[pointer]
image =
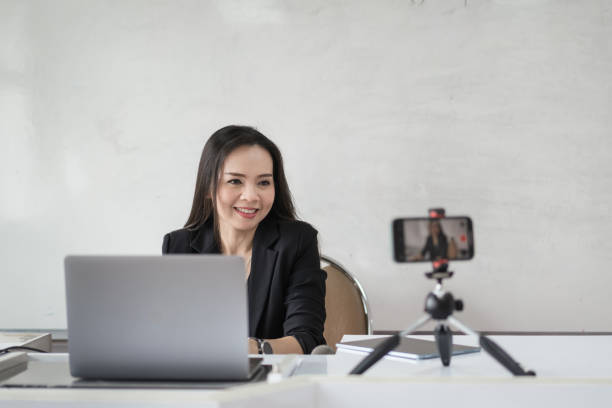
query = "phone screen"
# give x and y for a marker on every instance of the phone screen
(432, 239)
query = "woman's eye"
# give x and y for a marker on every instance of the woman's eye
(264, 183)
(234, 181)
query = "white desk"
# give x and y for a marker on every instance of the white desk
(551, 357)
(572, 371)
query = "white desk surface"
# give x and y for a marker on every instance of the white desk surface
(551, 357)
(572, 371)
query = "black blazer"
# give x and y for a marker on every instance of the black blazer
(286, 286)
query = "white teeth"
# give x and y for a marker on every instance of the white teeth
(244, 210)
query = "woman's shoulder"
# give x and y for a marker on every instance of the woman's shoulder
(178, 241)
(296, 228)
(295, 234)
(181, 233)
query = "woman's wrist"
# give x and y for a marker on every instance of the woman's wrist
(260, 346)
(253, 345)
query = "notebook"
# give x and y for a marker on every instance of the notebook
(409, 347)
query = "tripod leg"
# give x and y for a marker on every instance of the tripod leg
(494, 350)
(444, 340)
(386, 346)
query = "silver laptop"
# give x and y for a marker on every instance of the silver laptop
(173, 317)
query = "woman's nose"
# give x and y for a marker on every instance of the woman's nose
(249, 193)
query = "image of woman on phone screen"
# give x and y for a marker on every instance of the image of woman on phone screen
(437, 245)
(242, 206)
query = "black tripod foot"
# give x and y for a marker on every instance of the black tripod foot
(444, 340)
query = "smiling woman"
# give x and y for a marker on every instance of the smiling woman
(245, 195)
(242, 206)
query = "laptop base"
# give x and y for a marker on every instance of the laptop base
(41, 374)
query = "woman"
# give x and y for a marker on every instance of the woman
(242, 206)
(437, 245)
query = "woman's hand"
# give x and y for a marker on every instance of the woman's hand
(253, 346)
(283, 345)
(286, 345)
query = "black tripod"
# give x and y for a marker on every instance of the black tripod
(440, 306)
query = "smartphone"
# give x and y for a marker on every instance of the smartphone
(431, 239)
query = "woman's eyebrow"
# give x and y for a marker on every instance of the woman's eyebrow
(242, 175)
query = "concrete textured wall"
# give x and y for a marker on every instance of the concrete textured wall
(500, 110)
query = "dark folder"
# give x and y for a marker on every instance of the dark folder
(414, 349)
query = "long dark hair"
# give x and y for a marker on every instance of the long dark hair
(442, 239)
(217, 148)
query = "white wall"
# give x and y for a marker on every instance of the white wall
(500, 110)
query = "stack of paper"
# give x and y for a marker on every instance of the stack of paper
(41, 341)
(14, 362)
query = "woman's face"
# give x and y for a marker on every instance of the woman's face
(245, 192)
(434, 228)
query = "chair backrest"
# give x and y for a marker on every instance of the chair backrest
(346, 304)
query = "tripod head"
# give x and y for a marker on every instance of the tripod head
(439, 304)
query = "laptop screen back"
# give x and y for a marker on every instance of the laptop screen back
(175, 317)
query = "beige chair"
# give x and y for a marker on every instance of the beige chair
(346, 304)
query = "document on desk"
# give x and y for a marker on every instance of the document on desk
(41, 341)
(11, 360)
(410, 348)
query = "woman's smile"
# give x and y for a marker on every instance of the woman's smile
(246, 212)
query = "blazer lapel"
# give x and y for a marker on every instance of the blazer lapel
(263, 260)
